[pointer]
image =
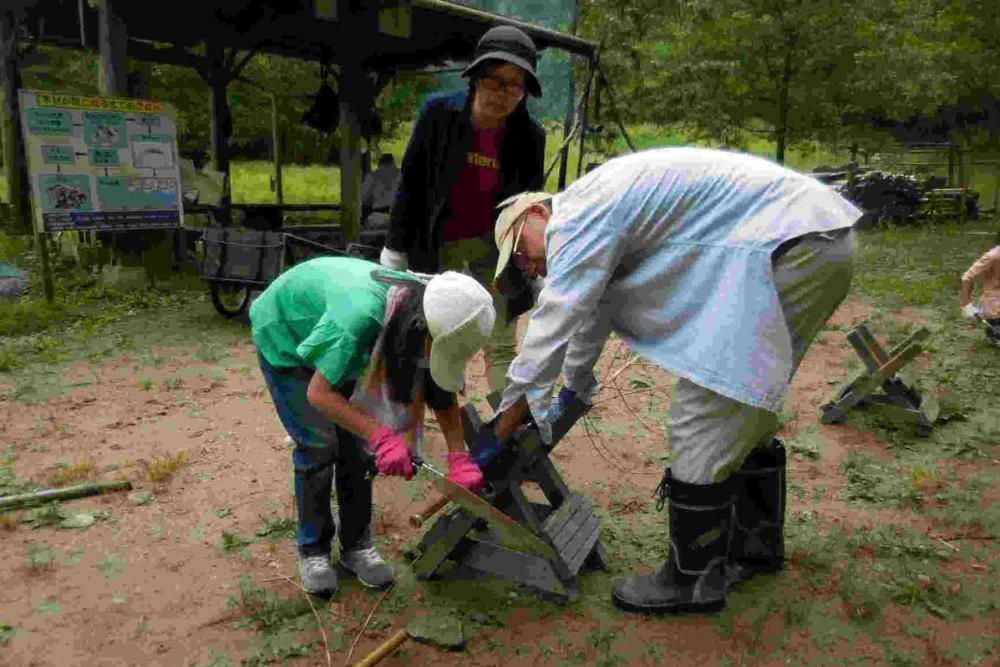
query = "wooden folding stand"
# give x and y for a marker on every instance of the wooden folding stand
(567, 522)
(900, 402)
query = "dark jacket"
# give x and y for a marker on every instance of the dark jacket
(442, 136)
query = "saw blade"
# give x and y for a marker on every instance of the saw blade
(512, 532)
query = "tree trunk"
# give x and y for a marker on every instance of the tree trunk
(781, 129)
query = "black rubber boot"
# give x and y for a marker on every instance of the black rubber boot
(758, 535)
(693, 578)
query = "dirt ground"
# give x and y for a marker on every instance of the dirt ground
(151, 586)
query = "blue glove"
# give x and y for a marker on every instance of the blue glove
(562, 401)
(487, 447)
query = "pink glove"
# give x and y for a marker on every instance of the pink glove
(392, 455)
(463, 471)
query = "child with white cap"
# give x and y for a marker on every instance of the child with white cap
(321, 326)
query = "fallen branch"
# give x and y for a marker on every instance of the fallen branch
(357, 637)
(606, 455)
(635, 358)
(623, 394)
(35, 498)
(319, 623)
(655, 428)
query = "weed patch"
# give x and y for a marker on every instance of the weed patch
(276, 528)
(40, 558)
(871, 482)
(73, 472)
(232, 542)
(162, 469)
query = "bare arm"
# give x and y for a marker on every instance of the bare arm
(510, 419)
(450, 420)
(969, 279)
(322, 396)
(965, 296)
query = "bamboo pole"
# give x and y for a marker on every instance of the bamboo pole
(35, 498)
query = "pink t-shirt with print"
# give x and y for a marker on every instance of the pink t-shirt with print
(474, 194)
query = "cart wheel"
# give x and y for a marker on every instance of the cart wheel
(230, 300)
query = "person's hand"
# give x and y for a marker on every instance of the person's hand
(487, 446)
(392, 454)
(463, 471)
(392, 259)
(562, 401)
(970, 311)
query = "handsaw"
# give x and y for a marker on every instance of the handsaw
(510, 531)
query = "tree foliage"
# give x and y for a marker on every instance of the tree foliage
(797, 70)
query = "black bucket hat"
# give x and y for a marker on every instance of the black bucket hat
(511, 45)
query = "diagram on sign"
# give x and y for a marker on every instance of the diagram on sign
(101, 163)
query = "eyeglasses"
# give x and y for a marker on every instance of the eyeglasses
(496, 84)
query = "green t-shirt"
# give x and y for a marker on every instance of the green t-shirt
(324, 314)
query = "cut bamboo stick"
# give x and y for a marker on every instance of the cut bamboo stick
(35, 498)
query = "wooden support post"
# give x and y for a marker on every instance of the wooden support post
(351, 82)
(279, 196)
(570, 104)
(951, 166)
(18, 183)
(996, 187)
(218, 79)
(112, 42)
(962, 184)
(583, 128)
(13, 137)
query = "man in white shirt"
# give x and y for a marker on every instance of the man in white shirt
(718, 267)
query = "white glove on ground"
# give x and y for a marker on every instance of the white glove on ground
(393, 260)
(970, 311)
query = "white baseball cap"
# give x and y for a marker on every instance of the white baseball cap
(504, 233)
(460, 316)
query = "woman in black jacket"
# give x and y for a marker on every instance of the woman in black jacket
(469, 151)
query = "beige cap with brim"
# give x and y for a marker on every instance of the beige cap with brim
(460, 317)
(505, 233)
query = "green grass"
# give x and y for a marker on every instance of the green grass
(251, 181)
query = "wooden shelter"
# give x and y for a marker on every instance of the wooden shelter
(366, 40)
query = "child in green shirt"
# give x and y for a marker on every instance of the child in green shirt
(318, 328)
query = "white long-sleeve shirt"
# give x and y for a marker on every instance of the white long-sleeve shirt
(671, 248)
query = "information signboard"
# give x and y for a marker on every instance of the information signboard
(101, 163)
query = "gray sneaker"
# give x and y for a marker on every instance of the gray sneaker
(317, 575)
(366, 563)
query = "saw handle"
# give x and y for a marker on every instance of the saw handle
(417, 520)
(386, 648)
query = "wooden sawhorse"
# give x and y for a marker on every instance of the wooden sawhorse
(900, 401)
(567, 522)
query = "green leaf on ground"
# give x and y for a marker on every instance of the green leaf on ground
(48, 607)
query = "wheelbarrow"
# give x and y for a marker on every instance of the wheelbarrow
(238, 262)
